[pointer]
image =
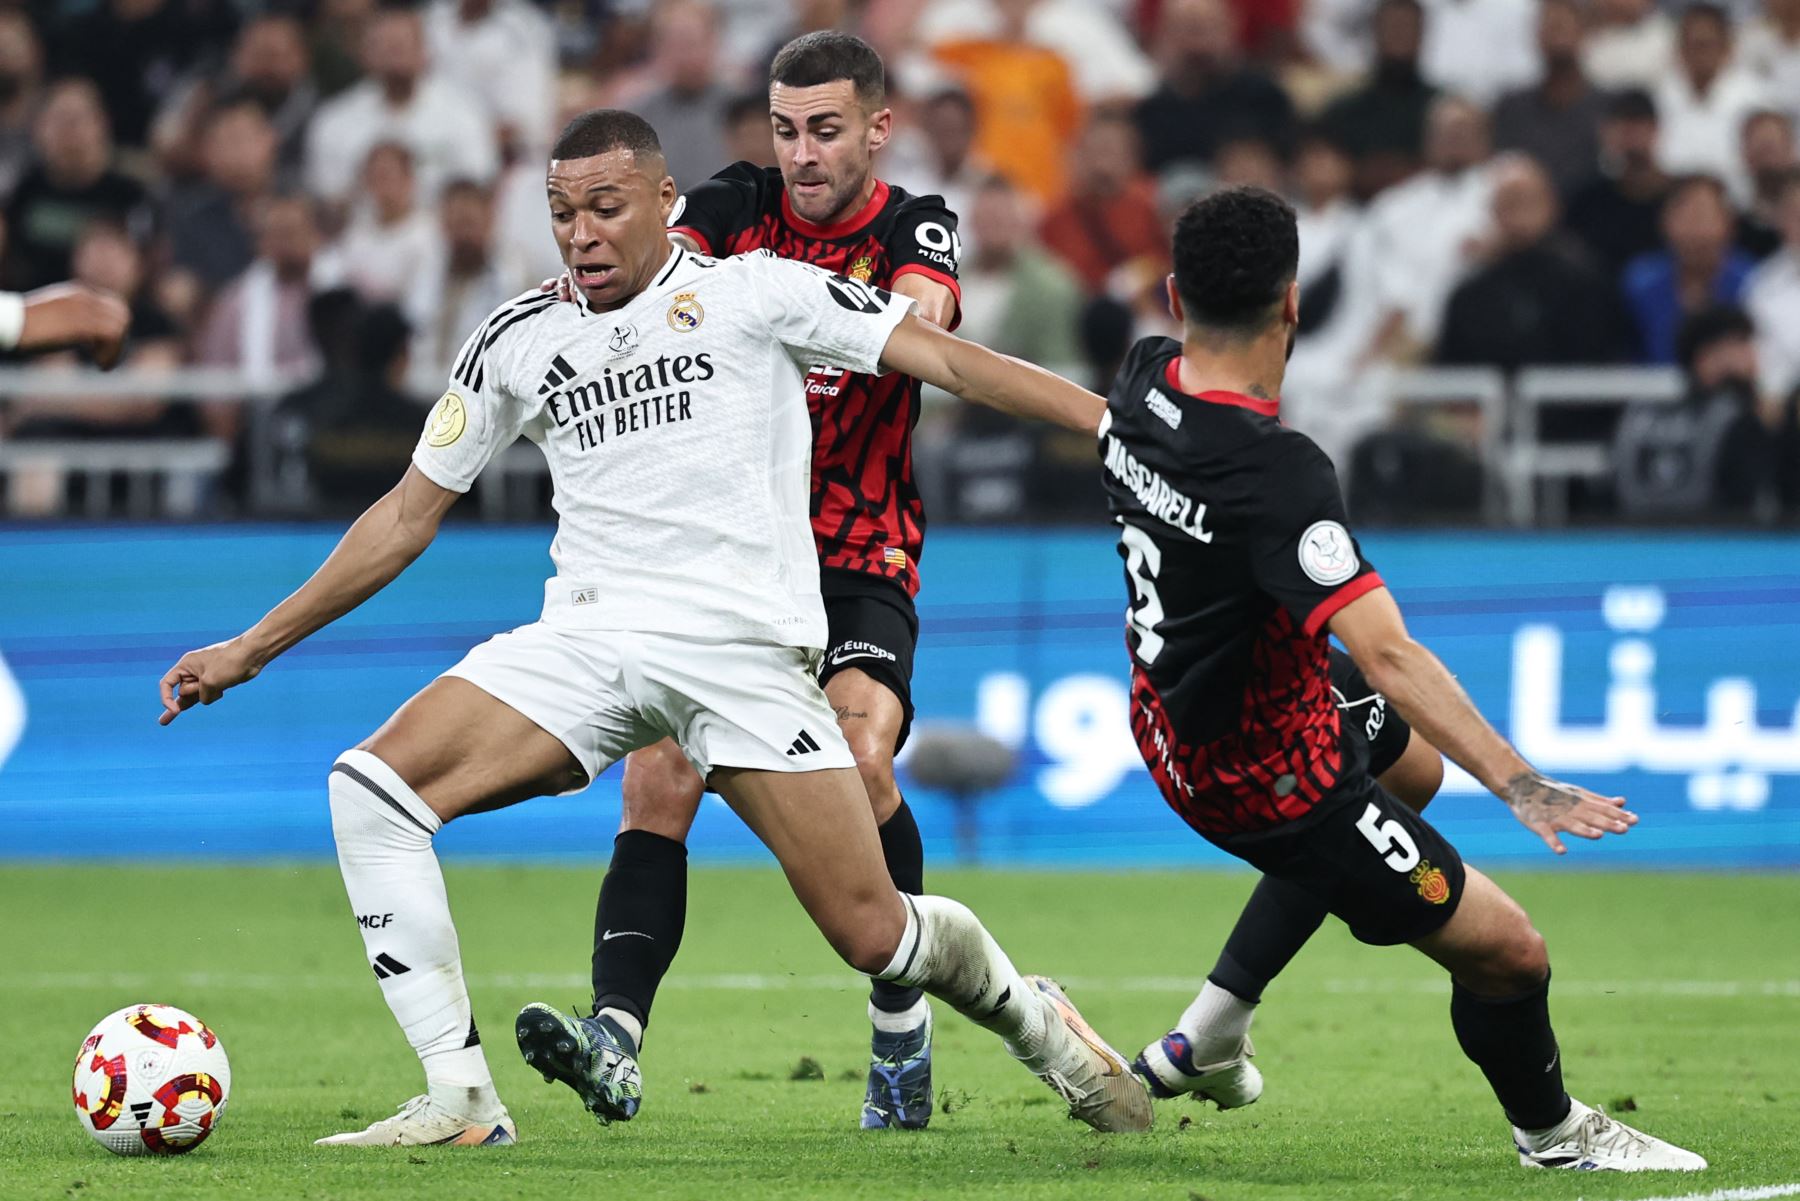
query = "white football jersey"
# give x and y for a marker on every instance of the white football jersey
(678, 438)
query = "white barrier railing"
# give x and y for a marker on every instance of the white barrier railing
(1528, 478)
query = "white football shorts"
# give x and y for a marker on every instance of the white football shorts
(605, 693)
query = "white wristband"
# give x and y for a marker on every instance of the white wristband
(12, 319)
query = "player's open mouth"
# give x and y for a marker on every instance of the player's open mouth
(590, 276)
(810, 187)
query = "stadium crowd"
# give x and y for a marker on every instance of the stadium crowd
(327, 196)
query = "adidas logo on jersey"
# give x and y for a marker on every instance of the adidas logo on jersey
(559, 374)
(803, 745)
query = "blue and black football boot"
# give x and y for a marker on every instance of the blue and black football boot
(594, 1056)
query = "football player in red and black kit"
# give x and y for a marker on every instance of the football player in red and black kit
(823, 205)
(1239, 562)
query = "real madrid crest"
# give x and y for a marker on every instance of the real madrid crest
(448, 420)
(685, 314)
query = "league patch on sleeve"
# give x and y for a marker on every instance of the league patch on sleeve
(448, 421)
(1327, 555)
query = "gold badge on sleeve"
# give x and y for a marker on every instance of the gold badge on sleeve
(448, 420)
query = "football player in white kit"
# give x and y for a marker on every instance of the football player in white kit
(685, 604)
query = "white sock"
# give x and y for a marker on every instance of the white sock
(947, 952)
(396, 888)
(1215, 1024)
(910, 1018)
(627, 1023)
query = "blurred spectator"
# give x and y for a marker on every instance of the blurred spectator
(1246, 161)
(136, 51)
(21, 84)
(951, 169)
(1480, 48)
(1027, 111)
(360, 430)
(1698, 267)
(258, 323)
(71, 183)
(1268, 30)
(1618, 216)
(209, 219)
(747, 136)
(1327, 216)
(1016, 297)
(1382, 122)
(1109, 216)
(1769, 157)
(1769, 48)
(335, 40)
(1556, 120)
(687, 107)
(390, 233)
(1421, 233)
(1703, 102)
(1631, 44)
(1772, 295)
(1709, 455)
(1205, 94)
(398, 101)
(1539, 299)
(502, 52)
(459, 282)
(105, 257)
(1105, 63)
(272, 65)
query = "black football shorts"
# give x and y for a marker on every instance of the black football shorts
(1375, 862)
(871, 625)
(1366, 715)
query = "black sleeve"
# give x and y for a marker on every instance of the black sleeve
(724, 205)
(925, 239)
(1301, 549)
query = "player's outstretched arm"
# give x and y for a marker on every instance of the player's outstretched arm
(931, 300)
(63, 315)
(975, 373)
(380, 545)
(1425, 693)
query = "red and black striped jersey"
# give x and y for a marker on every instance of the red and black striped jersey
(1237, 553)
(866, 511)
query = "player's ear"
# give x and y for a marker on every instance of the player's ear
(1290, 304)
(1174, 299)
(666, 195)
(881, 128)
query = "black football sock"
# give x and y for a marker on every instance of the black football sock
(1510, 1040)
(638, 922)
(905, 855)
(1275, 924)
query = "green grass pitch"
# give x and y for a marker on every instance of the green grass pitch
(1678, 995)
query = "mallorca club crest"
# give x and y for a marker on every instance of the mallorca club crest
(862, 269)
(1434, 886)
(685, 314)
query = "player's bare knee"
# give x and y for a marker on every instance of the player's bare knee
(660, 794)
(866, 932)
(875, 764)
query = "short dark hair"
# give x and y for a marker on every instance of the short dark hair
(1711, 325)
(1236, 252)
(1631, 104)
(1709, 11)
(1702, 182)
(599, 130)
(826, 56)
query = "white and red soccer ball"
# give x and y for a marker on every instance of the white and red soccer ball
(151, 1080)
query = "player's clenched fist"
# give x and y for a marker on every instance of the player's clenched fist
(202, 677)
(75, 315)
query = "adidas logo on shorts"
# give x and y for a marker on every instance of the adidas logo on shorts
(803, 745)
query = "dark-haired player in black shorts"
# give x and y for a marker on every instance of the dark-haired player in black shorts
(1239, 562)
(824, 206)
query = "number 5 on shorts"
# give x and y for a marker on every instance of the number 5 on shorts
(1389, 838)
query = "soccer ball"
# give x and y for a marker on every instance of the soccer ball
(151, 1080)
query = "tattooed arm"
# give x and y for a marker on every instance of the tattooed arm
(1424, 692)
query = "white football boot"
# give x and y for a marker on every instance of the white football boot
(1087, 1073)
(423, 1122)
(1590, 1141)
(1167, 1066)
